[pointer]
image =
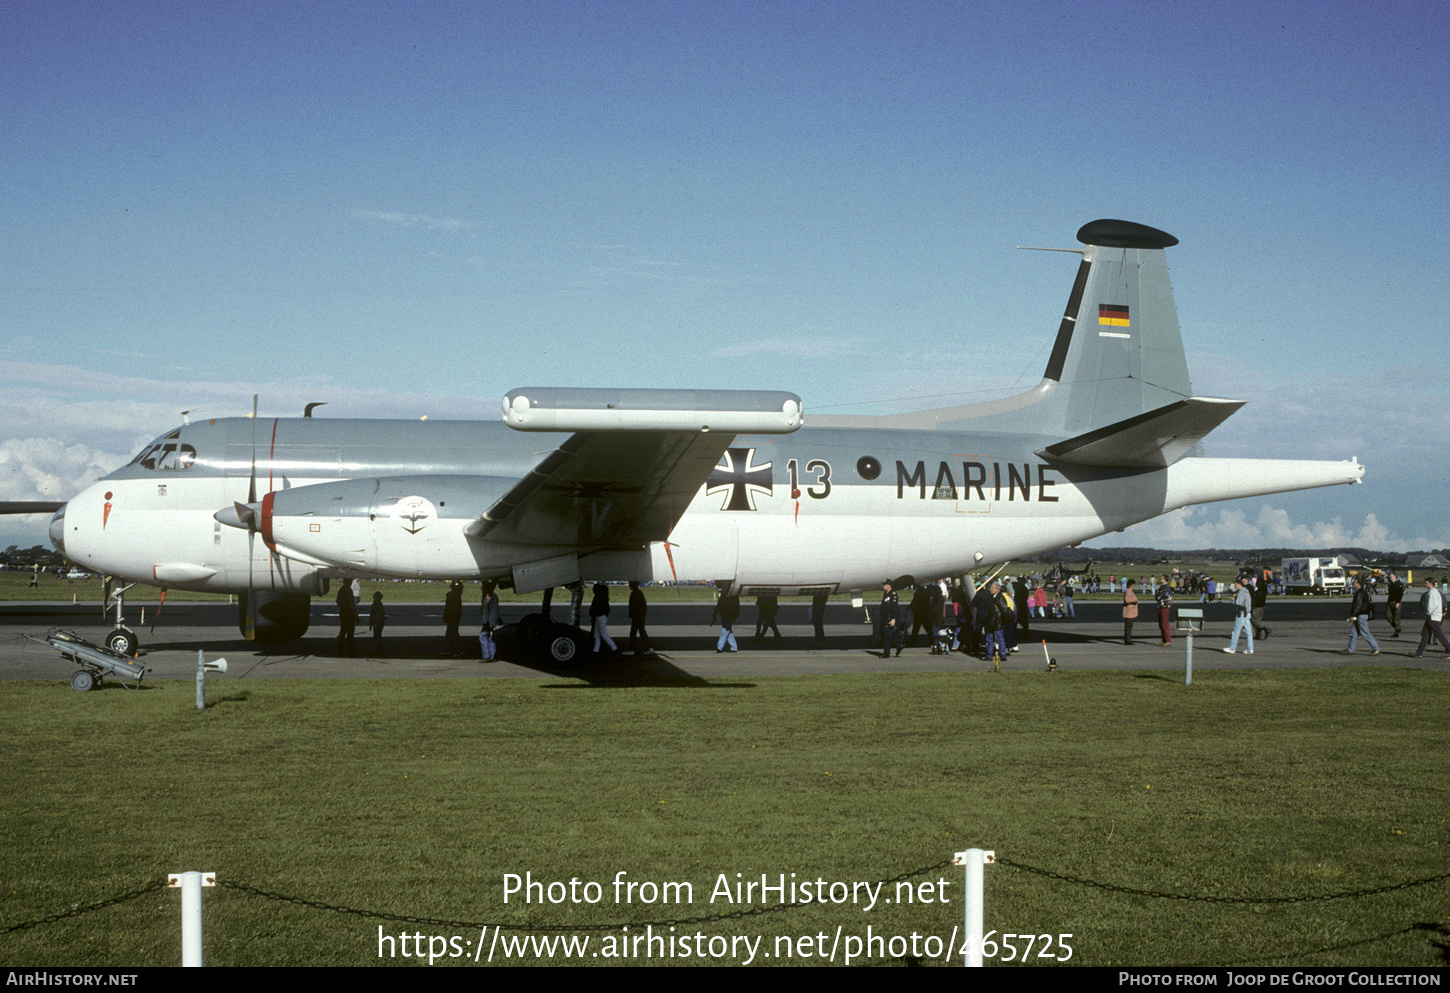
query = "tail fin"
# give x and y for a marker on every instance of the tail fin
(1119, 352)
(1116, 386)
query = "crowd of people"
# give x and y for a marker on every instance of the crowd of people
(989, 623)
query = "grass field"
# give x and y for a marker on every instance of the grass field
(416, 798)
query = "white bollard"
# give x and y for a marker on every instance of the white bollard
(1190, 619)
(202, 668)
(191, 884)
(975, 861)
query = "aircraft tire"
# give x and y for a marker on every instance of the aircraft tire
(82, 680)
(533, 630)
(122, 642)
(566, 647)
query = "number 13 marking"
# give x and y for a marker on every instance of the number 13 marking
(823, 480)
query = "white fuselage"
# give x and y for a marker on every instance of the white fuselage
(802, 512)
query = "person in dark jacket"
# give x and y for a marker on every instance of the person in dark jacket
(453, 616)
(921, 613)
(346, 617)
(599, 613)
(727, 608)
(893, 631)
(767, 606)
(1021, 599)
(1164, 598)
(992, 614)
(1361, 609)
(981, 607)
(490, 619)
(818, 616)
(638, 608)
(966, 625)
(377, 620)
(1259, 600)
(1392, 603)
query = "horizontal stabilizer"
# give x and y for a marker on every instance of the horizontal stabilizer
(1152, 440)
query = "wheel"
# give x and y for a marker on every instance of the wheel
(533, 630)
(566, 645)
(563, 648)
(81, 681)
(122, 642)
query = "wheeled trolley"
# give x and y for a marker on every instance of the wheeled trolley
(94, 660)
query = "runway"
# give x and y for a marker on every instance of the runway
(1304, 633)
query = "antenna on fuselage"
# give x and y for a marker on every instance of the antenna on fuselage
(308, 411)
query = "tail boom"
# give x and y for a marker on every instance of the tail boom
(1198, 480)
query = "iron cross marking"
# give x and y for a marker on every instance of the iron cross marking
(743, 478)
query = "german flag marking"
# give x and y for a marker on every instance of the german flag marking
(1115, 314)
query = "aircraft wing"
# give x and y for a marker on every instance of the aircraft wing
(636, 460)
(30, 507)
(1151, 440)
(605, 490)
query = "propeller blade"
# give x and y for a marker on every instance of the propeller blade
(249, 631)
(252, 480)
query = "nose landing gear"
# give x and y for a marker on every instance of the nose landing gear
(122, 640)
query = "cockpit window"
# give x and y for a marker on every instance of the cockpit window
(168, 454)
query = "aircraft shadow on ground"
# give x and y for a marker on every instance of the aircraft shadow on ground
(595, 671)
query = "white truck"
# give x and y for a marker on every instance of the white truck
(1313, 575)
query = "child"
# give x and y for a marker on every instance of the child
(376, 619)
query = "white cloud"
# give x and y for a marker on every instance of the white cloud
(48, 469)
(45, 469)
(413, 220)
(1377, 414)
(1267, 527)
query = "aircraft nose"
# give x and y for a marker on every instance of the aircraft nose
(57, 530)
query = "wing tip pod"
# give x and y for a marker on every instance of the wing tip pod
(721, 411)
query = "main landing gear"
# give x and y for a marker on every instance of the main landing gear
(563, 644)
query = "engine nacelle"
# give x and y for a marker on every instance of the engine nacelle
(390, 526)
(281, 617)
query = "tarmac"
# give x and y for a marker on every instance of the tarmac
(1303, 633)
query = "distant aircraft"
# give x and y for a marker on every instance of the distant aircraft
(721, 486)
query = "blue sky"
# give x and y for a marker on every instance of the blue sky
(410, 208)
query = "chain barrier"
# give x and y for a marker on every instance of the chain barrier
(159, 884)
(1114, 888)
(731, 915)
(531, 925)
